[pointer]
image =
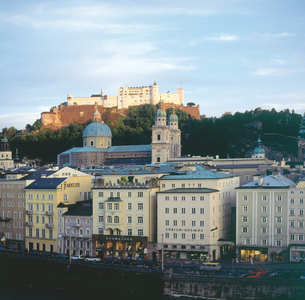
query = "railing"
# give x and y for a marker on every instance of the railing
(28, 212)
(49, 213)
(29, 224)
(5, 219)
(49, 225)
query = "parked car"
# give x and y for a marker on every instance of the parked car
(35, 253)
(77, 257)
(110, 260)
(128, 262)
(151, 263)
(92, 259)
(62, 256)
(46, 254)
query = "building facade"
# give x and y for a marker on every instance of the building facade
(195, 214)
(42, 199)
(262, 219)
(124, 220)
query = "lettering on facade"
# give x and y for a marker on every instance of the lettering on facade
(70, 185)
(184, 229)
(118, 239)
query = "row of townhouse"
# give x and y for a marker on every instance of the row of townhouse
(187, 213)
(270, 219)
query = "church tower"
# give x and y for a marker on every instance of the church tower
(160, 140)
(175, 135)
(301, 141)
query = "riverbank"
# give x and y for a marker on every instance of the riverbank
(56, 281)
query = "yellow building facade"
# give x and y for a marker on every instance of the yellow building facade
(42, 198)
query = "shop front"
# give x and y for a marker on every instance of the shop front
(120, 247)
(257, 254)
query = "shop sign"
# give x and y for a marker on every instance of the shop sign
(184, 229)
(70, 185)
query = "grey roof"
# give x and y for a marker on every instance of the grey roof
(79, 210)
(189, 191)
(271, 181)
(97, 129)
(240, 166)
(199, 173)
(45, 183)
(164, 168)
(114, 199)
(37, 174)
(129, 148)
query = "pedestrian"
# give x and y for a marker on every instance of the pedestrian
(232, 261)
(236, 261)
(251, 261)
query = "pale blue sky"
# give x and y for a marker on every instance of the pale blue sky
(230, 55)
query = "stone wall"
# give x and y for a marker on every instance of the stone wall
(230, 288)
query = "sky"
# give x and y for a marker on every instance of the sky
(227, 55)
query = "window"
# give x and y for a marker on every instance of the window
(175, 222)
(183, 210)
(246, 177)
(183, 198)
(199, 185)
(278, 219)
(264, 208)
(245, 197)
(166, 210)
(279, 198)
(201, 210)
(182, 222)
(302, 201)
(166, 222)
(201, 198)
(193, 236)
(264, 230)
(37, 232)
(37, 219)
(30, 196)
(101, 219)
(65, 198)
(244, 219)
(101, 205)
(140, 206)
(245, 229)
(163, 185)
(166, 198)
(193, 210)
(301, 237)
(279, 243)
(109, 206)
(183, 236)
(292, 237)
(173, 185)
(175, 198)
(245, 208)
(129, 194)
(292, 224)
(279, 208)
(291, 212)
(129, 231)
(264, 219)
(202, 236)
(301, 224)
(87, 231)
(109, 219)
(264, 242)
(264, 198)
(42, 196)
(140, 194)
(175, 210)
(129, 206)
(292, 192)
(116, 220)
(116, 206)
(50, 196)
(175, 235)
(301, 212)
(247, 241)
(193, 223)
(30, 232)
(166, 235)
(193, 198)
(140, 220)
(292, 201)
(278, 230)
(101, 194)
(201, 223)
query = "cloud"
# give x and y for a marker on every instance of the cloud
(285, 34)
(224, 37)
(273, 72)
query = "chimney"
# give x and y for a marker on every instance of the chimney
(130, 172)
(114, 172)
(153, 171)
(260, 181)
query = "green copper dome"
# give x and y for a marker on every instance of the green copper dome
(259, 149)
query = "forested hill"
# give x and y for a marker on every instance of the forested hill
(230, 135)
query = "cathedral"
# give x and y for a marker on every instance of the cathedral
(97, 147)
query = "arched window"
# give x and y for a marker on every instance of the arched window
(159, 137)
(109, 219)
(116, 220)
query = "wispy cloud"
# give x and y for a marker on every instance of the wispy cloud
(275, 72)
(223, 37)
(285, 34)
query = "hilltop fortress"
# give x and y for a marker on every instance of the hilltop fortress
(80, 109)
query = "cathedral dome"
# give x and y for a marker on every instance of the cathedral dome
(160, 111)
(259, 149)
(97, 129)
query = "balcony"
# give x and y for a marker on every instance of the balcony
(49, 225)
(49, 213)
(28, 212)
(5, 219)
(29, 224)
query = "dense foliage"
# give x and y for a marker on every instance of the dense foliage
(230, 135)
